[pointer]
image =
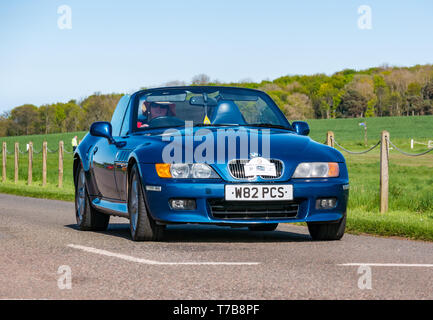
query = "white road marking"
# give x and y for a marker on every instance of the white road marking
(153, 262)
(419, 265)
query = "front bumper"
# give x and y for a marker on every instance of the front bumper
(305, 194)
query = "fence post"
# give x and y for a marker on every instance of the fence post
(30, 172)
(17, 151)
(330, 138)
(365, 135)
(4, 155)
(60, 164)
(384, 174)
(44, 163)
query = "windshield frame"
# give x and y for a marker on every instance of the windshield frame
(202, 89)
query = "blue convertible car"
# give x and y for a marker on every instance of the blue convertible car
(207, 155)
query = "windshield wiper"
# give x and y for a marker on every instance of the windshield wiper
(144, 129)
(269, 125)
(215, 125)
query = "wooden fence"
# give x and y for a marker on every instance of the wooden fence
(384, 143)
(30, 153)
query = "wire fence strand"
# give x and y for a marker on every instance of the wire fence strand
(407, 153)
(355, 152)
(37, 152)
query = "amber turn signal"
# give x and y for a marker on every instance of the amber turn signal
(333, 169)
(163, 170)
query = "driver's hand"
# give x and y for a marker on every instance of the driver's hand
(144, 125)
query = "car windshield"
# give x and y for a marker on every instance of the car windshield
(206, 106)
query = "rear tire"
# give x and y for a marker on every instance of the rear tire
(142, 225)
(88, 218)
(327, 231)
(264, 227)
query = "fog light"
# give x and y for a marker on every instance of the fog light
(326, 203)
(182, 204)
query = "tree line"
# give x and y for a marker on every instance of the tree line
(58, 117)
(379, 91)
(375, 92)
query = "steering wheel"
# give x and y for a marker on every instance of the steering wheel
(165, 121)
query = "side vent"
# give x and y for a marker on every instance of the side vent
(122, 156)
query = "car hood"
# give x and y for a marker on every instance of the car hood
(286, 146)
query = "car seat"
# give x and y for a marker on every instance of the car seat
(227, 112)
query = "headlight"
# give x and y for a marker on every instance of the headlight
(185, 171)
(317, 170)
(201, 170)
(179, 170)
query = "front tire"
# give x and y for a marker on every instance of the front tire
(142, 225)
(88, 218)
(327, 231)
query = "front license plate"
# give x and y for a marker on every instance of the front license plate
(258, 192)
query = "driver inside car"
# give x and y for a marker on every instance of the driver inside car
(154, 110)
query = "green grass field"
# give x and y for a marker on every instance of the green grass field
(349, 130)
(50, 191)
(410, 212)
(410, 187)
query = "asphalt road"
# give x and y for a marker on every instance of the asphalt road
(38, 236)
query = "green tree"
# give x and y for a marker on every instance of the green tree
(427, 91)
(25, 119)
(370, 112)
(72, 112)
(353, 104)
(381, 90)
(326, 94)
(60, 117)
(395, 104)
(298, 107)
(414, 99)
(98, 107)
(5, 124)
(47, 114)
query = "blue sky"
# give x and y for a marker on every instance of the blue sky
(120, 46)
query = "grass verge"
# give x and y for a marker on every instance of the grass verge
(36, 190)
(404, 224)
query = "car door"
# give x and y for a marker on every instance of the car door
(103, 168)
(123, 152)
(104, 155)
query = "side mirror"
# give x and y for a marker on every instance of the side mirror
(102, 129)
(301, 128)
